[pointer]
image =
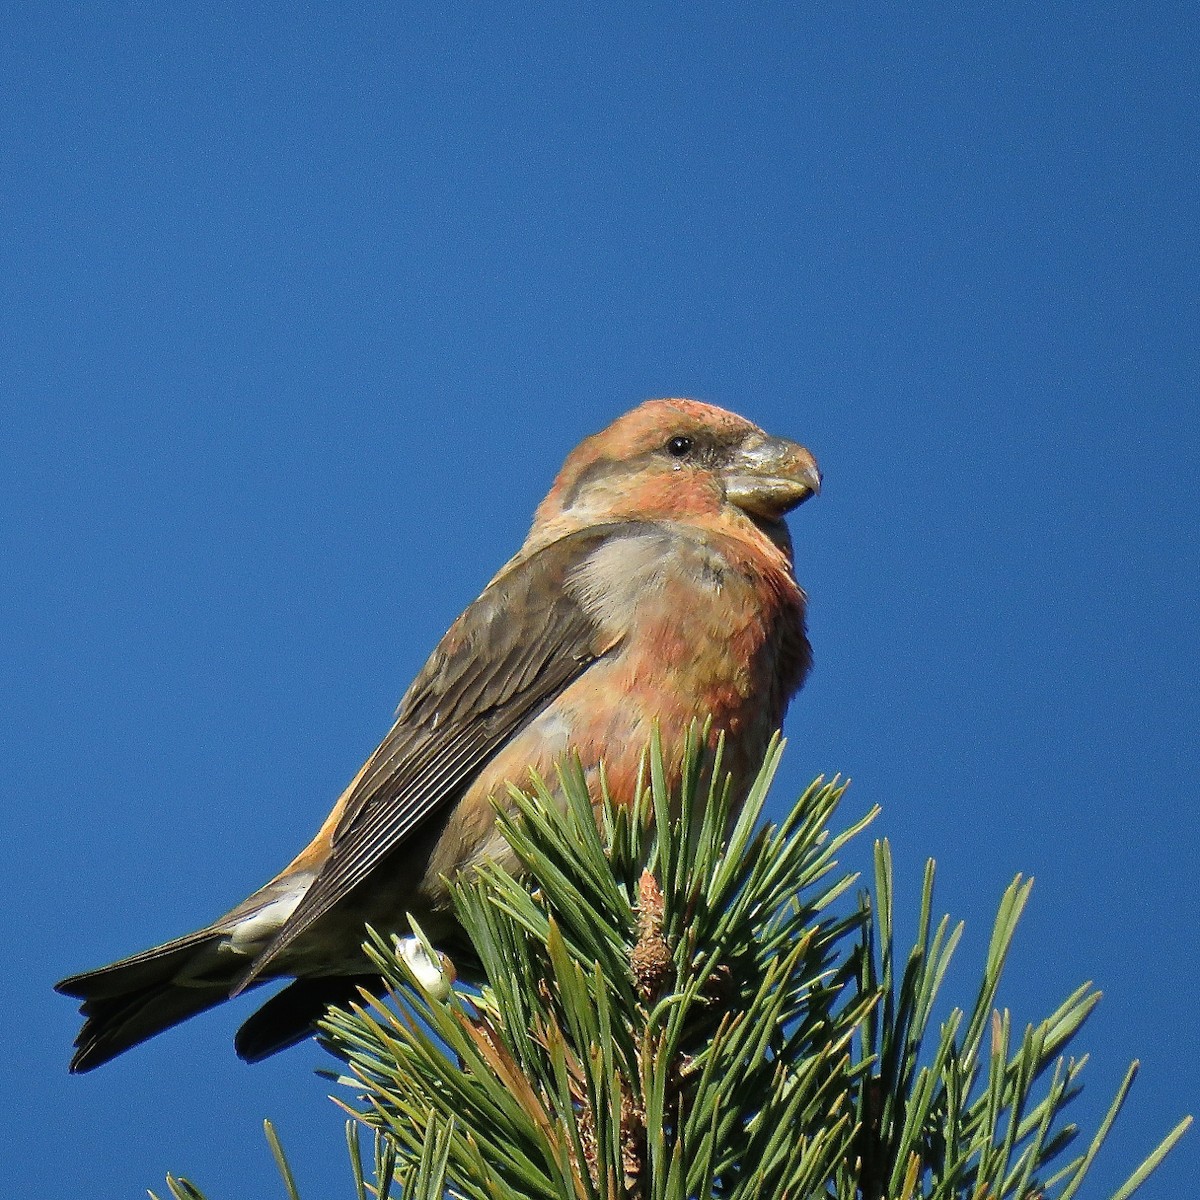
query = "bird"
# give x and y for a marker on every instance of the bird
(656, 588)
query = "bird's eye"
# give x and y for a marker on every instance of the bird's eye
(680, 446)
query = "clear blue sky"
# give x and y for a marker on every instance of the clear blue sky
(300, 309)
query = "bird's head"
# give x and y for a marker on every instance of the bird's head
(679, 460)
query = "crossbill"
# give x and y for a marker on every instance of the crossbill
(656, 588)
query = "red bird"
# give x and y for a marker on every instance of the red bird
(656, 586)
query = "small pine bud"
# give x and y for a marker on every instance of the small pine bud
(650, 959)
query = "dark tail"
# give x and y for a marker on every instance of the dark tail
(132, 1000)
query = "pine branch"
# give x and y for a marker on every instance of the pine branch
(679, 1004)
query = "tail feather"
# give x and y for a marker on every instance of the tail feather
(167, 961)
(115, 1024)
(132, 1000)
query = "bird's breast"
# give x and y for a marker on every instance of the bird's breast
(705, 626)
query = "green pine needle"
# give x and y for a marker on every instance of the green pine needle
(679, 1003)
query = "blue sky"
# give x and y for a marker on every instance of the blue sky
(300, 309)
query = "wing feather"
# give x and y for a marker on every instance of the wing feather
(525, 639)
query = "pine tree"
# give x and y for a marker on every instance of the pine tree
(682, 1003)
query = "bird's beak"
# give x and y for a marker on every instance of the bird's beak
(770, 476)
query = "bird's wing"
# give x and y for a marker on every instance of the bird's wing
(508, 656)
